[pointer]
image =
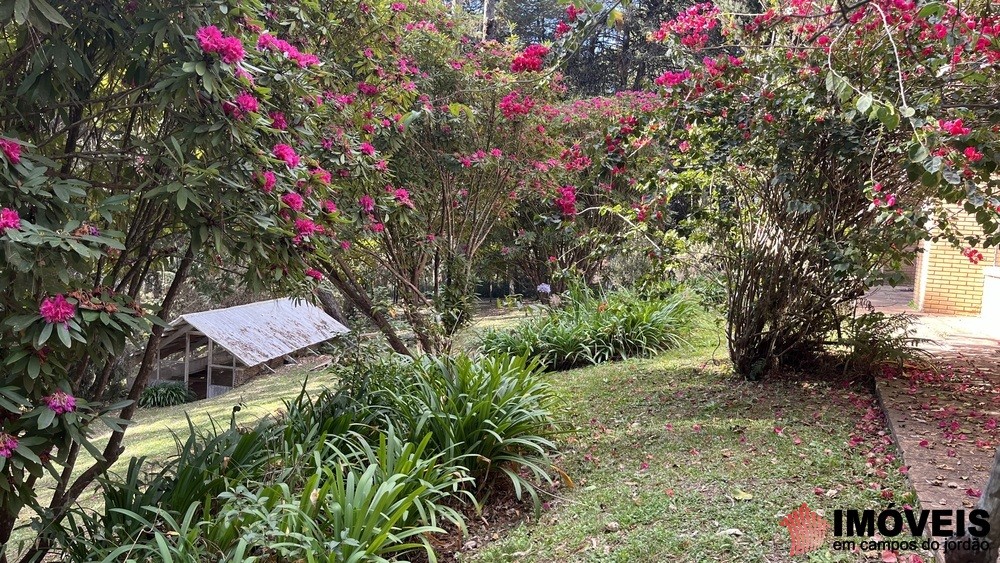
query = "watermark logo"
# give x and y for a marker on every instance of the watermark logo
(806, 528)
(871, 530)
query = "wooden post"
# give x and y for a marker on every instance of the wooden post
(159, 360)
(233, 382)
(208, 376)
(187, 358)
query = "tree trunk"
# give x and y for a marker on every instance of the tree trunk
(490, 19)
(329, 303)
(990, 502)
(345, 283)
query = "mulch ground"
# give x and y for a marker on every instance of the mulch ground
(946, 420)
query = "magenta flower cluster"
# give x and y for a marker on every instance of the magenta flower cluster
(229, 49)
(268, 42)
(8, 444)
(11, 149)
(60, 402)
(9, 219)
(287, 154)
(57, 309)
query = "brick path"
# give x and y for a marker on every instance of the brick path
(946, 422)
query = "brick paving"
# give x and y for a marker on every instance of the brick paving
(946, 420)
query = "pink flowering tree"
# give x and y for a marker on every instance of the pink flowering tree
(581, 209)
(146, 139)
(825, 139)
(446, 166)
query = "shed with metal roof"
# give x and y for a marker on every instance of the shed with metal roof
(221, 348)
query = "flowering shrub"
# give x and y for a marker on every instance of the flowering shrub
(218, 140)
(821, 162)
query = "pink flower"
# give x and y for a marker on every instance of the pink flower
(973, 255)
(11, 149)
(246, 102)
(287, 154)
(9, 219)
(670, 78)
(513, 105)
(321, 175)
(397, 7)
(562, 28)
(329, 206)
(572, 12)
(314, 274)
(972, 154)
(566, 200)
(210, 38)
(57, 309)
(8, 444)
(293, 200)
(367, 203)
(532, 59)
(269, 181)
(684, 146)
(278, 120)
(403, 197)
(230, 49)
(367, 149)
(307, 228)
(367, 89)
(60, 402)
(268, 42)
(377, 227)
(345, 244)
(955, 128)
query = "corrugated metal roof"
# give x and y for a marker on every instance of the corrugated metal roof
(262, 331)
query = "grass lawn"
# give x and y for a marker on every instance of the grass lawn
(675, 460)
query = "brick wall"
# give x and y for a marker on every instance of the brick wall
(946, 282)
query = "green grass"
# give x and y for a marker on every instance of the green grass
(719, 476)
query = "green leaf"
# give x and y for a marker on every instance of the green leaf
(44, 335)
(918, 152)
(50, 13)
(616, 19)
(21, 8)
(34, 367)
(932, 9)
(864, 103)
(45, 418)
(62, 331)
(952, 176)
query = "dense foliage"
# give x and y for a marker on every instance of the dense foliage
(390, 151)
(165, 394)
(358, 474)
(591, 328)
(823, 142)
(254, 139)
